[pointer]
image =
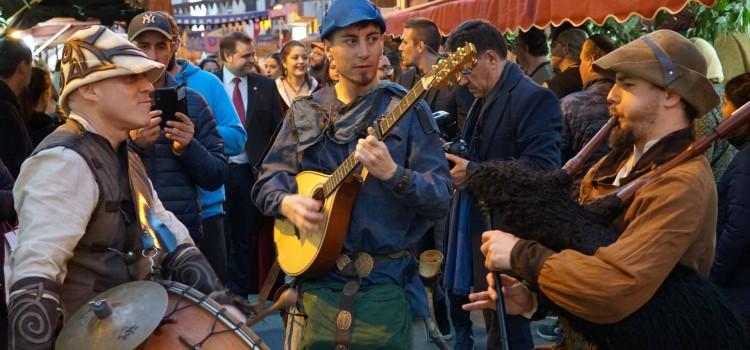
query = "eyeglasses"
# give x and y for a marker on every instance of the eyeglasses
(466, 71)
(386, 69)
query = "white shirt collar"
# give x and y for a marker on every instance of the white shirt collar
(632, 161)
(285, 95)
(637, 154)
(228, 76)
(81, 120)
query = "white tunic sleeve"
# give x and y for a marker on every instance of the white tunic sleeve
(54, 196)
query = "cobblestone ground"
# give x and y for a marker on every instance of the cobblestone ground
(271, 331)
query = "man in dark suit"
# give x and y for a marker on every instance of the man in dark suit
(258, 104)
(512, 120)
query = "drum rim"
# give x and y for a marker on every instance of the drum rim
(211, 305)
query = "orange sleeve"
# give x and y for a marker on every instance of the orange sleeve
(664, 220)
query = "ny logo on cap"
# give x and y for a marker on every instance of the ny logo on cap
(149, 18)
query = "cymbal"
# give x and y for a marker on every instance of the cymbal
(128, 315)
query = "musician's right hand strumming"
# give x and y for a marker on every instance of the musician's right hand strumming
(303, 212)
(519, 300)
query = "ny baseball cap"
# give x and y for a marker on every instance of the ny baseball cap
(150, 21)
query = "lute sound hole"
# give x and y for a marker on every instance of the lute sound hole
(319, 196)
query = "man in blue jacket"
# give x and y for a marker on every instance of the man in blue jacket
(407, 187)
(189, 151)
(514, 120)
(233, 133)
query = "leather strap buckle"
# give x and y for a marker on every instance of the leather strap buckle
(344, 320)
(363, 265)
(342, 260)
(351, 288)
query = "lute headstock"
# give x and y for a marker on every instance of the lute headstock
(445, 71)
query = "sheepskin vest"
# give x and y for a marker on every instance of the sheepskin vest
(98, 261)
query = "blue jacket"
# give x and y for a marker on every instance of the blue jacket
(731, 268)
(518, 121)
(227, 122)
(384, 219)
(202, 164)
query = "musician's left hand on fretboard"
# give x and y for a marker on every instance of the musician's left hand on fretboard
(374, 155)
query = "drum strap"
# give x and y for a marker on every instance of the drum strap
(265, 291)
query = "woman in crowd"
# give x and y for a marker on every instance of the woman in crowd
(210, 65)
(333, 74)
(329, 79)
(295, 80)
(272, 66)
(37, 105)
(731, 267)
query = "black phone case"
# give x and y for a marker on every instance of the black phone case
(169, 100)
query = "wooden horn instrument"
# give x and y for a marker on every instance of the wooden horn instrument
(287, 299)
(575, 164)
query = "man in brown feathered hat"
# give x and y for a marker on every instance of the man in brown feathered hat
(660, 88)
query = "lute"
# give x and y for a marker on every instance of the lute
(313, 254)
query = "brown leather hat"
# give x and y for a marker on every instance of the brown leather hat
(668, 60)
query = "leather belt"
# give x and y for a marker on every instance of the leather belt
(354, 270)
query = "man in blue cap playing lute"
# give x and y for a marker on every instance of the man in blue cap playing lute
(384, 304)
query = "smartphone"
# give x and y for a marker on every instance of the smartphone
(169, 100)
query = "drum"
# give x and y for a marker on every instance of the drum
(195, 321)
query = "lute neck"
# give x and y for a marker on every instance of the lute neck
(384, 125)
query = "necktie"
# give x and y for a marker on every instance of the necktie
(237, 100)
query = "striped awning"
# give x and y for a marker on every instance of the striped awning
(510, 15)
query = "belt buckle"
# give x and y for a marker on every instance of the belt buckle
(344, 320)
(363, 265)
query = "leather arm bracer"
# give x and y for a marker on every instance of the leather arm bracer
(187, 265)
(35, 314)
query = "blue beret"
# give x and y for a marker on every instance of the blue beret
(343, 13)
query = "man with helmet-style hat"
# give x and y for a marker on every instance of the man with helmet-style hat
(660, 88)
(408, 186)
(77, 213)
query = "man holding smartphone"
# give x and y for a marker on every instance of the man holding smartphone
(186, 152)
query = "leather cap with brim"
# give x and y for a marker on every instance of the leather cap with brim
(96, 53)
(668, 60)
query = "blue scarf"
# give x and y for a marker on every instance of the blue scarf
(458, 265)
